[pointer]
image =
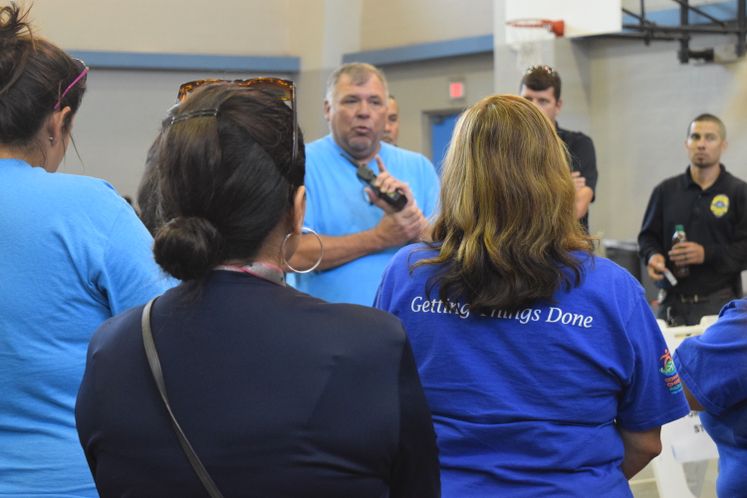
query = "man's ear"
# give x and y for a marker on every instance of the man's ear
(327, 108)
(560, 104)
(299, 209)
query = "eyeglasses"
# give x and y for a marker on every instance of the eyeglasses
(541, 67)
(77, 80)
(284, 90)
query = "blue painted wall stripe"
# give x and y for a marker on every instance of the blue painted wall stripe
(189, 62)
(424, 51)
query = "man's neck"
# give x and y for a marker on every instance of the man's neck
(705, 177)
(366, 159)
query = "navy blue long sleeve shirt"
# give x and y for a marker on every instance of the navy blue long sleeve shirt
(280, 394)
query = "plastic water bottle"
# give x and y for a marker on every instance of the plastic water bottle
(680, 270)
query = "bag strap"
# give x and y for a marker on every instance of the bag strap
(155, 368)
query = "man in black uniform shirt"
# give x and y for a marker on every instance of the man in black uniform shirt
(711, 204)
(541, 85)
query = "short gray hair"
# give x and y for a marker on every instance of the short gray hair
(359, 73)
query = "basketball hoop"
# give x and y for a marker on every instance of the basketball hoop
(555, 27)
(526, 36)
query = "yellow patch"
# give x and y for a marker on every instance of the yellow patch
(720, 205)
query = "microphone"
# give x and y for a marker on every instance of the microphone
(395, 199)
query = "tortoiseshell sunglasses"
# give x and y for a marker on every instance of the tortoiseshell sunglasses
(285, 90)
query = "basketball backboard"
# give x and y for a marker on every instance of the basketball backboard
(581, 17)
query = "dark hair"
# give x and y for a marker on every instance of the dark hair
(540, 78)
(226, 177)
(148, 196)
(33, 75)
(711, 119)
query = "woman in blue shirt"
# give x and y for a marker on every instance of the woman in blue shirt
(543, 366)
(73, 255)
(714, 372)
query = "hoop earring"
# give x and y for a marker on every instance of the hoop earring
(318, 261)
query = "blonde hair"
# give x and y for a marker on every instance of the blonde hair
(507, 226)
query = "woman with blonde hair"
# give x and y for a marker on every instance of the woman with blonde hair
(544, 369)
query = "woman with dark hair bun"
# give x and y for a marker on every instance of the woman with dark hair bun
(73, 255)
(271, 392)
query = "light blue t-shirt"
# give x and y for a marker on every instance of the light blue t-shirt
(714, 367)
(526, 403)
(337, 205)
(73, 254)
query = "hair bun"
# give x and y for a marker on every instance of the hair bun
(13, 27)
(13, 24)
(188, 247)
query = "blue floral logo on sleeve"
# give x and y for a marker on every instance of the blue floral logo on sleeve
(669, 371)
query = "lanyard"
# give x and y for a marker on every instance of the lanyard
(265, 271)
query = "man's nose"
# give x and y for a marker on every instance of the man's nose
(363, 109)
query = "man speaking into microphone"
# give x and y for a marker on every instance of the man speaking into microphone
(358, 229)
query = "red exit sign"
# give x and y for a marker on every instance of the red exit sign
(456, 90)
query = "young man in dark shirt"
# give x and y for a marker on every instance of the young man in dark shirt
(541, 85)
(711, 204)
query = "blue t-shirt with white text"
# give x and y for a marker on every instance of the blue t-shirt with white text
(527, 404)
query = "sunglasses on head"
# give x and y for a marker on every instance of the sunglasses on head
(284, 90)
(81, 76)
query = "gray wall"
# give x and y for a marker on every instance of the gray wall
(642, 101)
(635, 101)
(120, 116)
(422, 90)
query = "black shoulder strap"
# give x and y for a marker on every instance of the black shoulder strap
(155, 369)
